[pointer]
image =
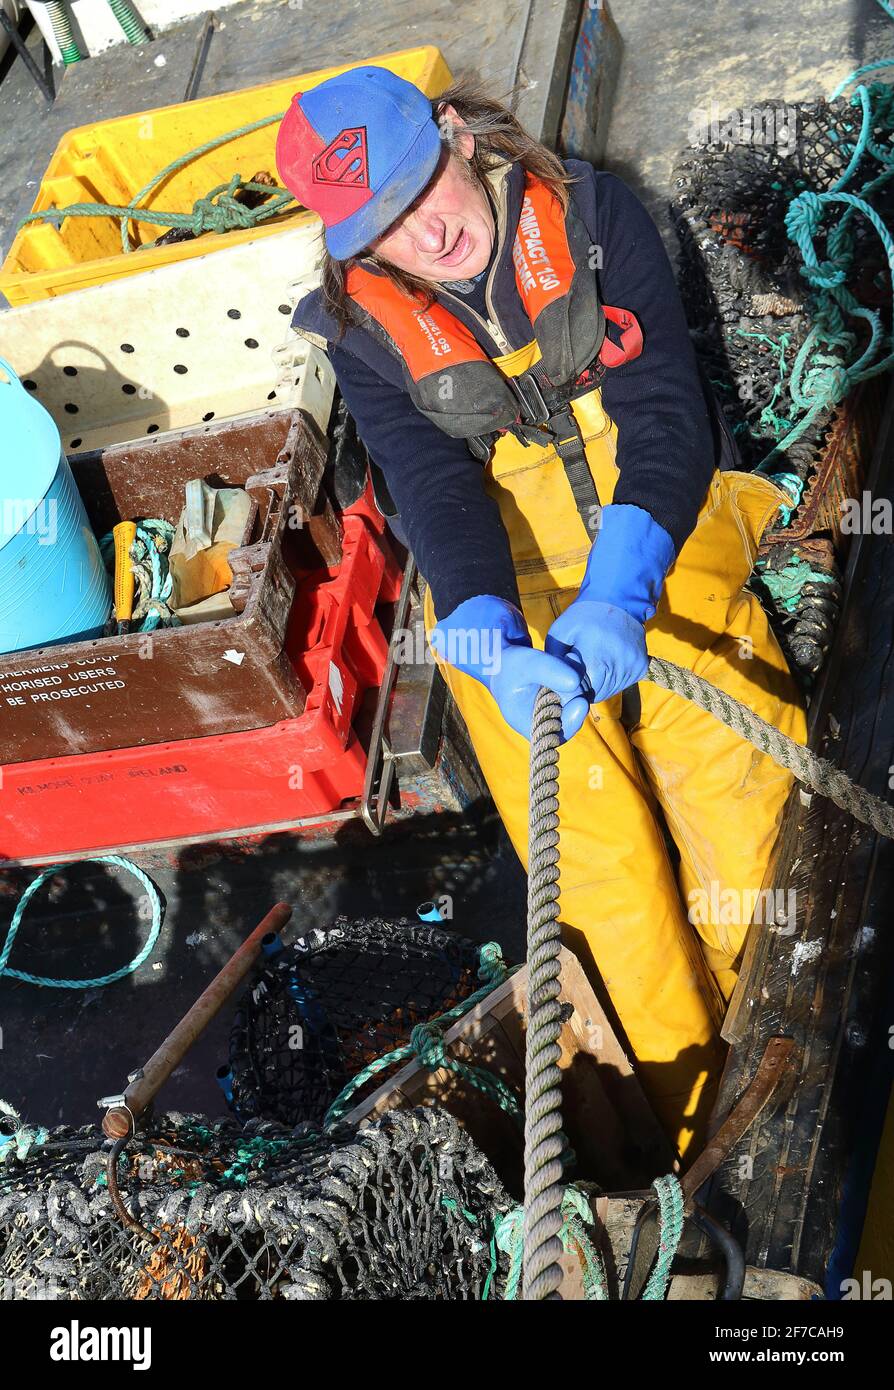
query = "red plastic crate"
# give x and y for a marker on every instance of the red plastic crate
(256, 779)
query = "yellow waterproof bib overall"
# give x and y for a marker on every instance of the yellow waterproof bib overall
(664, 946)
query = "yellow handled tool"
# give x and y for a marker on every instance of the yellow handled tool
(124, 535)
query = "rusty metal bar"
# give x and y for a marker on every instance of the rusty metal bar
(774, 1066)
(122, 1116)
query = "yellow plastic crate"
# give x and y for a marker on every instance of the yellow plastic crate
(110, 163)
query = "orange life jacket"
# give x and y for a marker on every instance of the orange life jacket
(451, 378)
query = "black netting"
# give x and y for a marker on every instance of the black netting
(404, 1208)
(332, 1002)
(750, 311)
(748, 306)
(801, 588)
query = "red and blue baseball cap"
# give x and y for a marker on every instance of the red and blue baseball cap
(357, 150)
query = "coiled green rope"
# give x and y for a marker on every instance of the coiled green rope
(99, 980)
(219, 210)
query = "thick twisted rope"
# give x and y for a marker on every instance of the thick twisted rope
(576, 1235)
(814, 772)
(670, 1215)
(544, 1143)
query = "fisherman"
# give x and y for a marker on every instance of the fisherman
(505, 330)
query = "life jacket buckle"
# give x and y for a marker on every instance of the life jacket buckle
(535, 410)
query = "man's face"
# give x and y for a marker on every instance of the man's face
(448, 232)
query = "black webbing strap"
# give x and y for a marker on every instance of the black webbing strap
(569, 445)
(547, 419)
(549, 408)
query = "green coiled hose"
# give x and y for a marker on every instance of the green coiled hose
(58, 17)
(133, 28)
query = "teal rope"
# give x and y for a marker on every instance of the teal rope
(426, 1043)
(786, 585)
(24, 1138)
(794, 486)
(509, 1237)
(768, 417)
(149, 562)
(576, 1238)
(825, 369)
(670, 1215)
(224, 215)
(99, 980)
(576, 1235)
(869, 67)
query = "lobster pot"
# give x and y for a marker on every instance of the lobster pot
(404, 1209)
(53, 584)
(748, 306)
(750, 311)
(322, 1009)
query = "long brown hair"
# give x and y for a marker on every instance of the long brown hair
(498, 136)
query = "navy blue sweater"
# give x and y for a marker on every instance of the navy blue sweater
(667, 446)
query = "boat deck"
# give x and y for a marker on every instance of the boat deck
(63, 1050)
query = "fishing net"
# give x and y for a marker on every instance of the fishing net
(405, 1208)
(331, 1003)
(751, 311)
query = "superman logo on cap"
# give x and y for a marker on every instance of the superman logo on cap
(344, 160)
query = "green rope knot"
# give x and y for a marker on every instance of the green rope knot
(427, 1041)
(827, 381)
(492, 968)
(802, 222)
(227, 214)
(804, 215)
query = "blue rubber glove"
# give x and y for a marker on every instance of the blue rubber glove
(488, 638)
(601, 633)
